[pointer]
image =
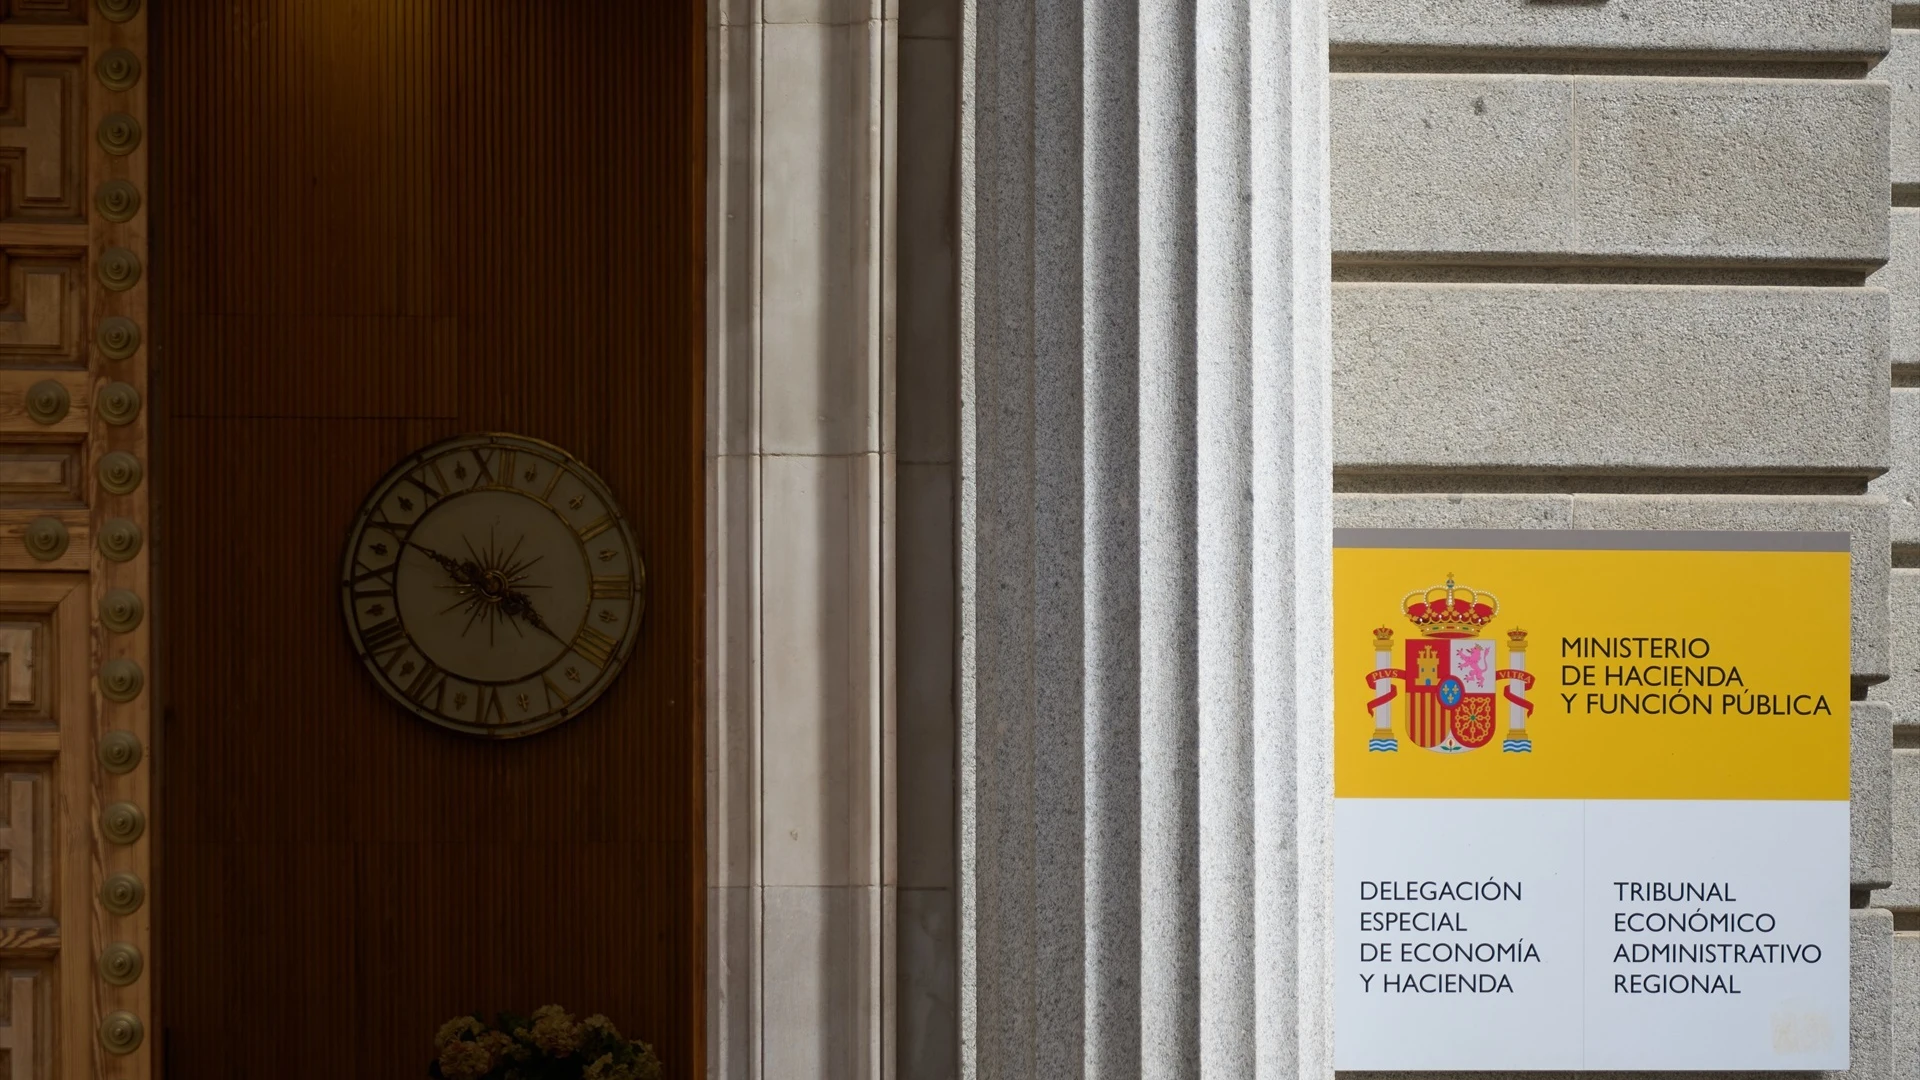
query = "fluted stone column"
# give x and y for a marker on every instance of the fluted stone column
(1145, 780)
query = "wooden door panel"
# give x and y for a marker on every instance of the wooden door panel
(42, 307)
(75, 739)
(41, 474)
(49, 929)
(42, 12)
(27, 1023)
(42, 149)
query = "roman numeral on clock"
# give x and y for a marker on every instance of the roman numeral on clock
(432, 493)
(492, 709)
(594, 645)
(431, 682)
(613, 588)
(391, 528)
(384, 640)
(596, 527)
(483, 469)
(372, 581)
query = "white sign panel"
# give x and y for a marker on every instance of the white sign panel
(1588, 825)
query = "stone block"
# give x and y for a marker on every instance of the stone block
(927, 1010)
(1901, 278)
(818, 727)
(1728, 171)
(814, 994)
(1863, 516)
(1748, 169)
(1871, 815)
(1904, 893)
(1901, 70)
(732, 949)
(927, 352)
(1870, 997)
(1902, 688)
(1367, 510)
(1481, 165)
(924, 672)
(827, 12)
(816, 391)
(1806, 29)
(929, 19)
(1906, 1004)
(1900, 485)
(1615, 377)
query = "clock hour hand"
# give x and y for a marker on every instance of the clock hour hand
(519, 605)
(472, 579)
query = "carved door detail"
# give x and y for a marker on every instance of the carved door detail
(75, 731)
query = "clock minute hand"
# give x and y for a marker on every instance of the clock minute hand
(464, 573)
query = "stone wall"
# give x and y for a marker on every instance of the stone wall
(1899, 697)
(1632, 247)
(1643, 247)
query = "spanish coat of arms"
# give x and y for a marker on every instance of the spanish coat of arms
(1453, 682)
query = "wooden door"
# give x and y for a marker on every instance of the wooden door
(381, 224)
(76, 768)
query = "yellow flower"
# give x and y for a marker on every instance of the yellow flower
(602, 1025)
(460, 1060)
(456, 1028)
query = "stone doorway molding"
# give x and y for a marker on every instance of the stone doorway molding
(799, 476)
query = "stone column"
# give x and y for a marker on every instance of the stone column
(1145, 779)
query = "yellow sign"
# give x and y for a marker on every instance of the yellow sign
(1590, 665)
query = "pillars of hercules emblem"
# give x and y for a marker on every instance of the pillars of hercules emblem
(1384, 692)
(1518, 682)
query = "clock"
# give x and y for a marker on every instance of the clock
(491, 585)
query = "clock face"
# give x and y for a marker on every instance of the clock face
(491, 585)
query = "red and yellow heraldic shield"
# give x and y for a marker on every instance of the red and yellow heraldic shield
(1450, 693)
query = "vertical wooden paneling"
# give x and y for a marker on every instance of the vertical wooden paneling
(379, 224)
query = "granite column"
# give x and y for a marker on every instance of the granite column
(1145, 786)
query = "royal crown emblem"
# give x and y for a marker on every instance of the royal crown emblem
(1451, 675)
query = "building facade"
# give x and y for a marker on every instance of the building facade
(975, 385)
(1602, 266)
